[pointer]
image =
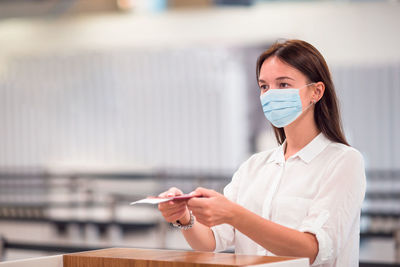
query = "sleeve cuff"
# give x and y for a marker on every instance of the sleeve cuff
(325, 245)
(223, 235)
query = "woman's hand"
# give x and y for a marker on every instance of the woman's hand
(173, 211)
(212, 208)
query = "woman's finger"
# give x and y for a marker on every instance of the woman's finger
(168, 206)
(198, 203)
(204, 192)
(171, 217)
(173, 191)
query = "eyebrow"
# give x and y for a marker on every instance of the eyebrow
(279, 78)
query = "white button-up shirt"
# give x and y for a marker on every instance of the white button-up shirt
(318, 190)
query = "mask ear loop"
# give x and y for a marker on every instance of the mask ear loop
(309, 106)
(313, 102)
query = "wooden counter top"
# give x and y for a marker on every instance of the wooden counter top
(124, 257)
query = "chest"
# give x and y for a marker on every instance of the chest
(281, 192)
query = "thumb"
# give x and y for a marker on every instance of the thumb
(200, 191)
(173, 191)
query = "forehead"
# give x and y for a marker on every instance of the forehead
(273, 68)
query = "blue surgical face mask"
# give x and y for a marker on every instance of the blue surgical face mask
(282, 106)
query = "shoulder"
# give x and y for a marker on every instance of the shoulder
(341, 152)
(258, 159)
(252, 165)
(347, 165)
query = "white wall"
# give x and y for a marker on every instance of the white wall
(167, 109)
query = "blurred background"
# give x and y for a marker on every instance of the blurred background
(105, 102)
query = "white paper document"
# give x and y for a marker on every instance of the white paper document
(151, 201)
(157, 200)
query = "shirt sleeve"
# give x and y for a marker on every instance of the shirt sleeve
(337, 206)
(224, 234)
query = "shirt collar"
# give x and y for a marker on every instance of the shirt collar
(307, 153)
(278, 155)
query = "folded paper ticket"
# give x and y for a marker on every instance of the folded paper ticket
(157, 200)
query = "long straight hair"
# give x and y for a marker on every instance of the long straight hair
(309, 61)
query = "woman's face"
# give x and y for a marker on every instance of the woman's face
(275, 74)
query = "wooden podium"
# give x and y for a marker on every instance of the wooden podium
(129, 257)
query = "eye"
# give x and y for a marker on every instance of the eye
(284, 85)
(264, 87)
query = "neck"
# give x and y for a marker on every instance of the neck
(300, 133)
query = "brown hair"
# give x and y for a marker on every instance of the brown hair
(309, 61)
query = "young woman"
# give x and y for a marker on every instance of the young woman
(300, 199)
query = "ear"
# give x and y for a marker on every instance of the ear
(318, 92)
